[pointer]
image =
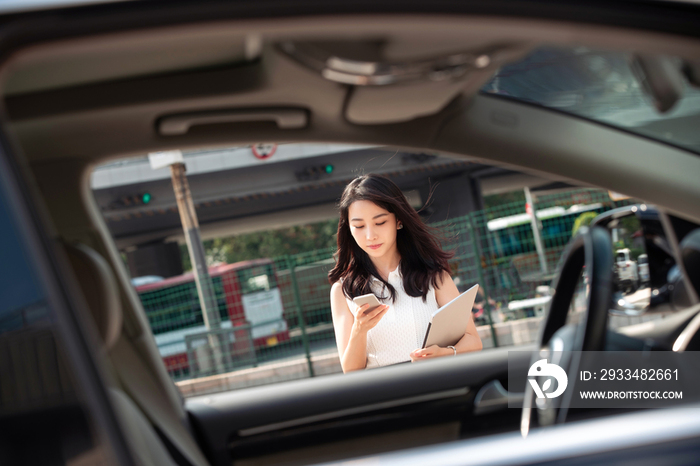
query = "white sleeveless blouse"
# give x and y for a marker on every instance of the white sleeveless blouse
(402, 329)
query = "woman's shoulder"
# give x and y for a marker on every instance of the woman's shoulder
(339, 301)
(337, 291)
(446, 290)
(444, 279)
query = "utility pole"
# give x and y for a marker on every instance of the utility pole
(535, 224)
(190, 226)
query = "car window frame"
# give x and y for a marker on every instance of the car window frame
(61, 297)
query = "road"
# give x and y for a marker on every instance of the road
(321, 341)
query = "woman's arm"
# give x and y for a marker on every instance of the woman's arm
(351, 331)
(444, 293)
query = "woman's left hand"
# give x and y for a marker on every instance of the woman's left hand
(434, 351)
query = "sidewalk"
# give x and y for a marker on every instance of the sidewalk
(325, 362)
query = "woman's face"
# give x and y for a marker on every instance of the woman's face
(373, 228)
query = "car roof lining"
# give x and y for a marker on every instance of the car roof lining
(90, 121)
(118, 55)
(123, 55)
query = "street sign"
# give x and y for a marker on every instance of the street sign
(264, 151)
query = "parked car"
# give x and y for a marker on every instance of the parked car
(626, 268)
(643, 268)
(545, 87)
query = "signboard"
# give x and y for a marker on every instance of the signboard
(164, 159)
(264, 151)
(263, 310)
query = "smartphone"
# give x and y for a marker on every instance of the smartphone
(367, 298)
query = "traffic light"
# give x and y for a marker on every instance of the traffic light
(314, 172)
(132, 200)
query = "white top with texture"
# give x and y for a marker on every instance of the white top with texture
(402, 329)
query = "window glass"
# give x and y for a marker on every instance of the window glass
(257, 283)
(268, 254)
(256, 278)
(38, 393)
(22, 302)
(601, 86)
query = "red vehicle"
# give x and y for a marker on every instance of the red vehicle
(248, 300)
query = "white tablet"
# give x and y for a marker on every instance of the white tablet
(448, 324)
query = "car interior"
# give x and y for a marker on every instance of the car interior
(92, 84)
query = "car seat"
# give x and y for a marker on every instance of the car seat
(156, 433)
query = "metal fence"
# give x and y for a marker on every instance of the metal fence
(275, 313)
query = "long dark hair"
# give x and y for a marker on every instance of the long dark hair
(422, 258)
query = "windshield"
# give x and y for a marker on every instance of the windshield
(601, 86)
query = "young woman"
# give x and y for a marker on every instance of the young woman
(384, 248)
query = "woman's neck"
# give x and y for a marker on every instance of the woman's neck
(386, 265)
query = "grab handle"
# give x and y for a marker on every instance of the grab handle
(176, 125)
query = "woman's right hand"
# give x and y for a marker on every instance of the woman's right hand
(364, 322)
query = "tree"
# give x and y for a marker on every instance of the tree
(498, 200)
(270, 243)
(583, 220)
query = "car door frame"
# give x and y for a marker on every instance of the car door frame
(76, 337)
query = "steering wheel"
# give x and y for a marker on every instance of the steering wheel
(589, 255)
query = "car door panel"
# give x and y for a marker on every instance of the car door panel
(364, 412)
